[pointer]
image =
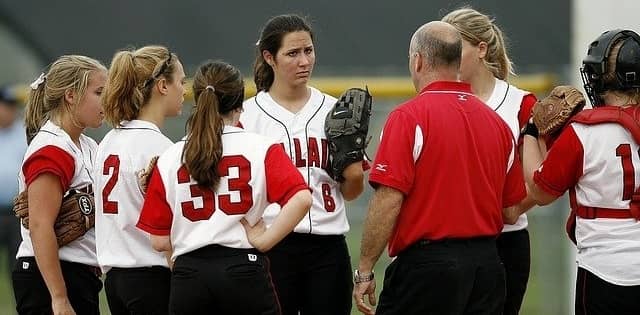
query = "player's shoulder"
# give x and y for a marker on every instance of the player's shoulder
(245, 138)
(51, 135)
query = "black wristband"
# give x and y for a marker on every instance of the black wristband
(530, 129)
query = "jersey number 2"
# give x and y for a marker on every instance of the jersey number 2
(239, 184)
(112, 163)
(628, 171)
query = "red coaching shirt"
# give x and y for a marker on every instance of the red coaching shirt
(455, 161)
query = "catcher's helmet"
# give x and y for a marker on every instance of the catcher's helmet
(594, 65)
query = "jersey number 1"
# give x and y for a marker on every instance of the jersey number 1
(628, 171)
(239, 184)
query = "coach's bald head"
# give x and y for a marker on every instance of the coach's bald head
(435, 51)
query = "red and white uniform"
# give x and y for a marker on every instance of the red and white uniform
(255, 172)
(53, 151)
(598, 164)
(514, 106)
(121, 154)
(303, 139)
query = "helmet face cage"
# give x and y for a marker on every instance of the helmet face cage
(594, 65)
(589, 79)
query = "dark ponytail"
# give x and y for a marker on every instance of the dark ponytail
(218, 89)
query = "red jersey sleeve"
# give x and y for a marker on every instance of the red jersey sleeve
(562, 168)
(283, 178)
(394, 165)
(156, 215)
(514, 190)
(50, 159)
(525, 109)
(526, 106)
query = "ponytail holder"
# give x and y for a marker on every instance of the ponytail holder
(210, 87)
(35, 84)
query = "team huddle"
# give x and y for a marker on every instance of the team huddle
(246, 214)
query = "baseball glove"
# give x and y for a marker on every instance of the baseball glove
(553, 112)
(346, 127)
(145, 174)
(76, 216)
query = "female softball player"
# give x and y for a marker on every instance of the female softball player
(310, 266)
(486, 66)
(144, 87)
(202, 192)
(599, 163)
(62, 103)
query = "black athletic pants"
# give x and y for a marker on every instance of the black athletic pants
(515, 253)
(222, 280)
(447, 277)
(138, 291)
(32, 295)
(595, 296)
(312, 274)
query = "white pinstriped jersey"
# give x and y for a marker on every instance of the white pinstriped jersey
(255, 172)
(83, 249)
(506, 100)
(122, 153)
(600, 164)
(303, 137)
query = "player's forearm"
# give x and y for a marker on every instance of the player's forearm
(45, 248)
(290, 215)
(353, 184)
(532, 158)
(384, 208)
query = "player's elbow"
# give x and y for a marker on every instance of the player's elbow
(540, 197)
(161, 243)
(305, 200)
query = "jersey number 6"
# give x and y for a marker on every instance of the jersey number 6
(239, 184)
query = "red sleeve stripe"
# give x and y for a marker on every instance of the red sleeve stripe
(50, 159)
(283, 179)
(156, 215)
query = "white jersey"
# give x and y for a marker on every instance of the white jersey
(600, 166)
(608, 248)
(121, 155)
(50, 136)
(255, 172)
(506, 100)
(304, 140)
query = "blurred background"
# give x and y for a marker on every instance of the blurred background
(357, 43)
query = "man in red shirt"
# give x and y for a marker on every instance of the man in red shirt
(446, 167)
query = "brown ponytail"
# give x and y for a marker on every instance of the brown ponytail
(129, 86)
(218, 89)
(476, 27)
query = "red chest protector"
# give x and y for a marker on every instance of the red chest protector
(631, 122)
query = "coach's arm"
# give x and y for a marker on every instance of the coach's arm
(383, 212)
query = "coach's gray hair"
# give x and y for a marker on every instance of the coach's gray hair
(439, 43)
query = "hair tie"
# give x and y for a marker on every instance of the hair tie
(210, 87)
(35, 84)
